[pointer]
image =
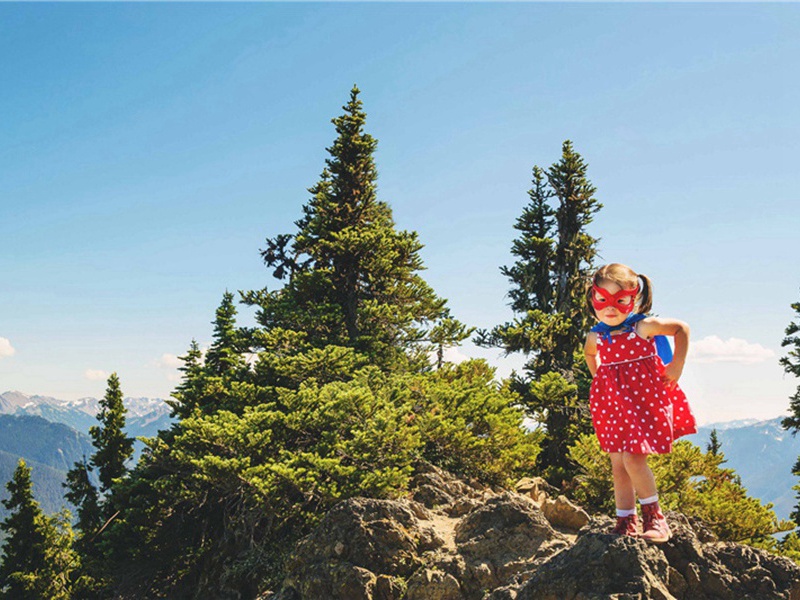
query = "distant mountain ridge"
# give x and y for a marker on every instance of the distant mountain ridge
(762, 453)
(51, 435)
(145, 416)
(137, 407)
(50, 449)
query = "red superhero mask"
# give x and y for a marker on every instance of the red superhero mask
(615, 300)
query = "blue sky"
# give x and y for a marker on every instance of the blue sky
(147, 150)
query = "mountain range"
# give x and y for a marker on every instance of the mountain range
(51, 435)
(145, 416)
(762, 453)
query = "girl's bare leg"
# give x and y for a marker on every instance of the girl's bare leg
(640, 474)
(624, 495)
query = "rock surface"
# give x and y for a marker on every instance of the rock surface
(563, 513)
(471, 543)
(356, 541)
(504, 537)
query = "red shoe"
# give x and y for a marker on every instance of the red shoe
(654, 526)
(626, 526)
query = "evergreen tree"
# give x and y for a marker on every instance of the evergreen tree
(38, 557)
(448, 332)
(82, 494)
(342, 400)
(225, 353)
(114, 448)
(60, 579)
(555, 255)
(714, 444)
(351, 278)
(87, 582)
(213, 383)
(25, 545)
(97, 507)
(795, 514)
(188, 394)
(791, 365)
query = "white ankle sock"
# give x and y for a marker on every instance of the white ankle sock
(649, 500)
(626, 512)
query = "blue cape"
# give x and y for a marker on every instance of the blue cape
(662, 343)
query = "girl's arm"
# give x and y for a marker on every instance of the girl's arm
(680, 331)
(590, 352)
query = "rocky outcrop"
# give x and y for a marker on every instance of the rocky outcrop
(504, 537)
(600, 565)
(457, 541)
(359, 540)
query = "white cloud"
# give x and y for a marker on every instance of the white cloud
(451, 355)
(95, 375)
(6, 349)
(454, 355)
(169, 361)
(712, 349)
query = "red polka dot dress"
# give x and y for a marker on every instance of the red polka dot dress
(632, 411)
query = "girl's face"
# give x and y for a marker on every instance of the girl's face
(615, 311)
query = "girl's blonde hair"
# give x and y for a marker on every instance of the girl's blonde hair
(627, 279)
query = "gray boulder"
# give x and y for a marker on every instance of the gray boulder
(356, 541)
(507, 535)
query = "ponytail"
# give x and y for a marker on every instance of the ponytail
(645, 298)
(590, 283)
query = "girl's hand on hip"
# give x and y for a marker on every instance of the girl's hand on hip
(672, 372)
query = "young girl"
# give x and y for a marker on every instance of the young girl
(636, 404)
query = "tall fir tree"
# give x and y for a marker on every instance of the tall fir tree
(791, 365)
(96, 506)
(352, 279)
(225, 353)
(188, 393)
(38, 557)
(25, 547)
(555, 254)
(714, 446)
(341, 400)
(82, 494)
(114, 448)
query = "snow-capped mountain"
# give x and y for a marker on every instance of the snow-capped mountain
(144, 418)
(737, 424)
(52, 434)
